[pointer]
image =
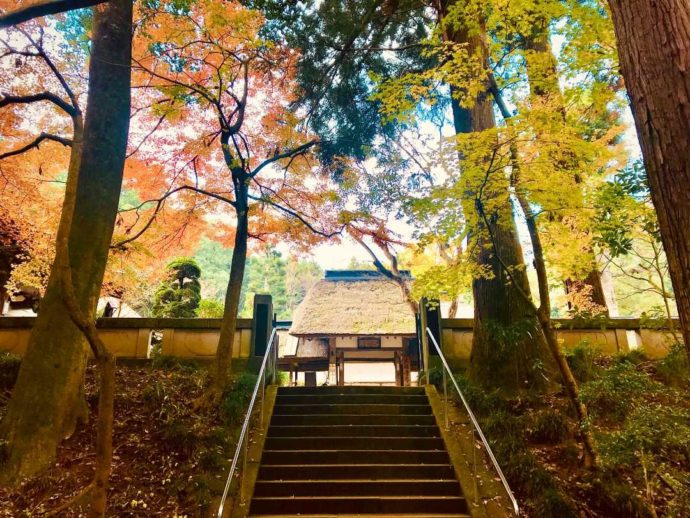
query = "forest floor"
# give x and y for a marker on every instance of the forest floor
(640, 417)
(169, 459)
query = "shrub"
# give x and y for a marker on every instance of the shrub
(635, 357)
(548, 427)
(675, 368)
(613, 394)
(610, 496)
(582, 360)
(552, 504)
(237, 397)
(652, 428)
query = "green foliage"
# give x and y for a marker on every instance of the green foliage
(210, 309)
(675, 368)
(609, 495)
(237, 397)
(179, 294)
(660, 429)
(616, 391)
(287, 280)
(548, 427)
(582, 361)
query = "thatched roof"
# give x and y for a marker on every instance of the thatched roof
(354, 303)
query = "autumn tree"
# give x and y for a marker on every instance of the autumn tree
(653, 40)
(231, 89)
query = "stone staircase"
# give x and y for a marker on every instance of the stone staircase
(362, 451)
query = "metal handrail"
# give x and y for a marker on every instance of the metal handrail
(271, 352)
(474, 422)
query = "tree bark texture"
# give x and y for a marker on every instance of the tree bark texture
(226, 340)
(654, 51)
(40, 415)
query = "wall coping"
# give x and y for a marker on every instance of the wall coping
(628, 324)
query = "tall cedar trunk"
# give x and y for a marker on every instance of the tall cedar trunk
(543, 80)
(508, 350)
(232, 295)
(654, 52)
(40, 415)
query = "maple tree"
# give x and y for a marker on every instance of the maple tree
(205, 67)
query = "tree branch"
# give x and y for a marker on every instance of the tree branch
(8, 99)
(287, 154)
(35, 143)
(43, 8)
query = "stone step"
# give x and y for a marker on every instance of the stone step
(351, 399)
(351, 419)
(298, 457)
(354, 443)
(350, 389)
(356, 488)
(352, 471)
(350, 409)
(350, 430)
(394, 505)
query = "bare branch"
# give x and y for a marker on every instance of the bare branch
(287, 154)
(35, 143)
(9, 99)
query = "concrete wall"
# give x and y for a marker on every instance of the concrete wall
(131, 337)
(197, 337)
(617, 335)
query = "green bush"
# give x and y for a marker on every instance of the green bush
(635, 357)
(662, 430)
(236, 398)
(609, 495)
(614, 393)
(675, 368)
(552, 504)
(548, 427)
(582, 360)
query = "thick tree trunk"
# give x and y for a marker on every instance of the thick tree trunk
(232, 297)
(40, 415)
(543, 81)
(654, 51)
(508, 350)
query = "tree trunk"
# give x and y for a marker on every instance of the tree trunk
(544, 314)
(40, 415)
(508, 350)
(232, 296)
(654, 52)
(543, 81)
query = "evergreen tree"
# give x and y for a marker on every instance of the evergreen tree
(178, 296)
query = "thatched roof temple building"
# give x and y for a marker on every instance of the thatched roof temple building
(352, 316)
